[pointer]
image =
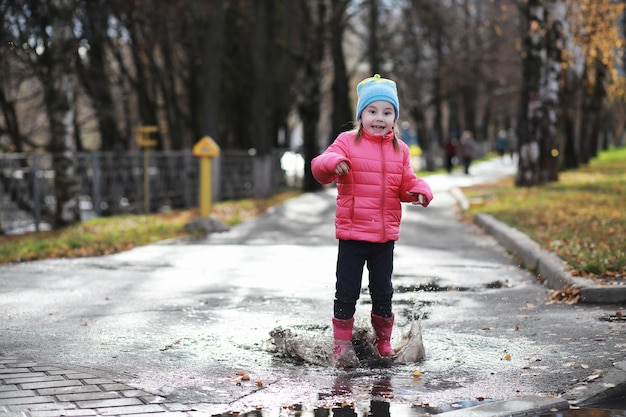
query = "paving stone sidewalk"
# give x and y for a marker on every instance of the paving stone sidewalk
(38, 390)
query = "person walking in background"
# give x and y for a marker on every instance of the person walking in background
(467, 149)
(373, 171)
(512, 140)
(502, 143)
(450, 154)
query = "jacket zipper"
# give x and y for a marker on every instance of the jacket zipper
(382, 190)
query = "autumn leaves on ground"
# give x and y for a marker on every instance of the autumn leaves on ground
(581, 218)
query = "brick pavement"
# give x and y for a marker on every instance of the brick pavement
(30, 389)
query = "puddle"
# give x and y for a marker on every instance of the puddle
(379, 408)
(309, 344)
(612, 318)
(373, 408)
(431, 284)
(427, 287)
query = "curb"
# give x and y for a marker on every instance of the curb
(550, 269)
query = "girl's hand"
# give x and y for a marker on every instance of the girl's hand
(342, 168)
(421, 198)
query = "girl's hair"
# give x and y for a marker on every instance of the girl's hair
(358, 128)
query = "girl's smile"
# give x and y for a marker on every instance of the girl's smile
(378, 117)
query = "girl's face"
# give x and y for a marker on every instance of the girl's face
(378, 117)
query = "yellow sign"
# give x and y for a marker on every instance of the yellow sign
(143, 136)
(206, 148)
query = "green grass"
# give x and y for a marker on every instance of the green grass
(581, 218)
(106, 235)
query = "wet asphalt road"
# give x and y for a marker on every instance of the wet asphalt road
(179, 319)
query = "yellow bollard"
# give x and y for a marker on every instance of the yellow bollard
(206, 149)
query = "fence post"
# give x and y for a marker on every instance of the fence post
(96, 198)
(35, 187)
(262, 175)
(186, 182)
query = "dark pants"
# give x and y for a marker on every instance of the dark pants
(352, 257)
(467, 161)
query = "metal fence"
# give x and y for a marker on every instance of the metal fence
(116, 183)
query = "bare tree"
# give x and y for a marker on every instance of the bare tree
(94, 73)
(58, 80)
(342, 114)
(309, 100)
(543, 49)
(212, 46)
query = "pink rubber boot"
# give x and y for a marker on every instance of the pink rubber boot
(343, 352)
(383, 327)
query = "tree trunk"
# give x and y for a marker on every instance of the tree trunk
(94, 75)
(570, 102)
(310, 99)
(437, 95)
(212, 70)
(262, 102)
(342, 113)
(595, 109)
(58, 93)
(538, 157)
(11, 121)
(373, 48)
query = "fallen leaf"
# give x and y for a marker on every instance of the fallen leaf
(568, 295)
(507, 357)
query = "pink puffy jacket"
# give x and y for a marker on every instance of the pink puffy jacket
(369, 195)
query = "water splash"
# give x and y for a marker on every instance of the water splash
(314, 345)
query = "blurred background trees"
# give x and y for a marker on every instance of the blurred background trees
(81, 75)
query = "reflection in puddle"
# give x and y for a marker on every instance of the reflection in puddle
(372, 408)
(379, 408)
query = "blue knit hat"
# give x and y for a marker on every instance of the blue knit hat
(376, 88)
